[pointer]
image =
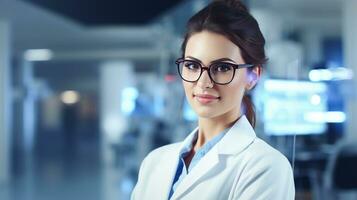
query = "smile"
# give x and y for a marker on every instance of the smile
(206, 99)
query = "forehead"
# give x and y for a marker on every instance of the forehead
(207, 46)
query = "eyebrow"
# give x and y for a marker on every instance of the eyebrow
(214, 61)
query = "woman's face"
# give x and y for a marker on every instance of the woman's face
(210, 100)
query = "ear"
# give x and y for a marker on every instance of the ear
(253, 77)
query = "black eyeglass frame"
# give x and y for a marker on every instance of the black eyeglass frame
(235, 66)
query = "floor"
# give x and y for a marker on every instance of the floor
(60, 169)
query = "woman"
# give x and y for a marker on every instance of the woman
(223, 54)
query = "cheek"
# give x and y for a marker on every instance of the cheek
(234, 92)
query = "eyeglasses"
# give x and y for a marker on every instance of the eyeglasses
(221, 73)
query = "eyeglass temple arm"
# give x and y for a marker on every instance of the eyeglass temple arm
(244, 66)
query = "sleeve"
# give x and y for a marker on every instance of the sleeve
(135, 194)
(269, 178)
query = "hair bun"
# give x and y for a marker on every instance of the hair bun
(235, 4)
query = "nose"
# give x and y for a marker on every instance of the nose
(205, 81)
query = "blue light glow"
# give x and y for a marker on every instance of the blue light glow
(129, 96)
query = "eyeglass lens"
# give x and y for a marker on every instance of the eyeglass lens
(220, 73)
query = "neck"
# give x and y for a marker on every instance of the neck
(210, 127)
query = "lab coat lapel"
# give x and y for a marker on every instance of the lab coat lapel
(165, 174)
(208, 162)
(170, 168)
(238, 138)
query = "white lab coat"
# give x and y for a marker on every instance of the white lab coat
(240, 166)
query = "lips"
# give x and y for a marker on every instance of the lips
(205, 98)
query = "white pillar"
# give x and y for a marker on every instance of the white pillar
(5, 105)
(115, 76)
(29, 108)
(350, 49)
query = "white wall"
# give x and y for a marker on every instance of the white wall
(350, 50)
(5, 114)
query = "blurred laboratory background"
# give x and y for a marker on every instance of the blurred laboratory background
(88, 88)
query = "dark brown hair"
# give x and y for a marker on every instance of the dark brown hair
(232, 19)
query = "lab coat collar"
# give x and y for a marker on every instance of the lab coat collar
(188, 139)
(239, 137)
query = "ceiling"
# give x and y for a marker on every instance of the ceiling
(102, 25)
(107, 12)
(33, 27)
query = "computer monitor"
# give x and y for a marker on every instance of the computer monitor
(293, 107)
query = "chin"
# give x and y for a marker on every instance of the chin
(207, 113)
(204, 111)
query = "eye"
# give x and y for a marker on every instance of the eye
(191, 65)
(222, 67)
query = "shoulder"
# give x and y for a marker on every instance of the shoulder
(266, 170)
(163, 152)
(261, 158)
(262, 152)
(151, 168)
(266, 162)
(159, 155)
